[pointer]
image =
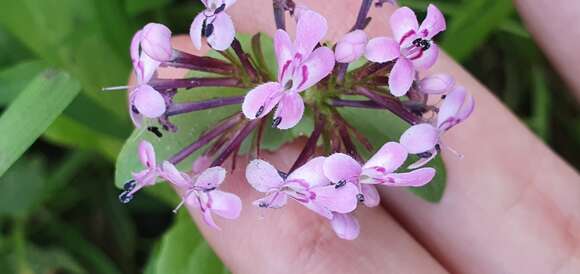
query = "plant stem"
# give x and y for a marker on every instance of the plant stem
(208, 64)
(236, 142)
(245, 60)
(176, 109)
(310, 146)
(355, 104)
(189, 83)
(392, 104)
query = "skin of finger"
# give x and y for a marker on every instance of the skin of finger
(511, 203)
(294, 239)
(554, 25)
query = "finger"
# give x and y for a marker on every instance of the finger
(553, 24)
(294, 239)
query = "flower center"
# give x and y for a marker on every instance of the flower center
(416, 49)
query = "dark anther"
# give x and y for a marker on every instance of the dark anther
(220, 9)
(262, 204)
(206, 29)
(417, 42)
(209, 189)
(288, 85)
(260, 111)
(129, 185)
(134, 109)
(425, 154)
(438, 148)
(425, 45)
(443, 96)
(284, 175)
(155, 130)
(277, 121)
(125, 197)
(340, 184)
(360, 197)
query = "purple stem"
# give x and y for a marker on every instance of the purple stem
(236, 142)
(280, 6)
(348, 144)
(310, 145)
(362, 20)
(208, 64)
(189, 83)
(355, 104)
(176, 109)
(204, 139)
(244, 59)
(371, 69)
(392, 104)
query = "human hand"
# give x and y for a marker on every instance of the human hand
(509, 206)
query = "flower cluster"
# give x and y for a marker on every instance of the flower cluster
(314, 75)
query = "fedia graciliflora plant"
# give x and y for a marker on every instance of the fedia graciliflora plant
(372, 113)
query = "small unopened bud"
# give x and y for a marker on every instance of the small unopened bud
(351, 46)
(436, 84)
(157, 42)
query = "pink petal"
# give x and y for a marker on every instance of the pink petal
(147, 154)
(145, 177)
(208, 219)
(265, 95)
(403, 24)
(310, 30)
(174, 176)
(451, 106)
(225, 204)
(283, 49)
(274, 200)
(290, 110)
(224, 32)
(467, 108)
(427, 58)
(318, 65)
(351, 46)
(341, 200)
(339, 167)
(415, 178)
(211, 178)
(345, 226)
(134, 48)
(382, 49)
(401, 77)
(370, 194)
(147, 67)
(433, 24)
(390, 157)
(420, 138)
(148, 101)
(157, 41)
(195, 30)
(436, 84)
(200, 164)
(311, 173)
(262, 176)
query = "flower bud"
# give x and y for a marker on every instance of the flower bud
(156, 42)
(351, 46)
(436, 84)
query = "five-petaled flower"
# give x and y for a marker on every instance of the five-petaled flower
(200, 191)
(300, 66)
(149, 47)
(143, 178)
(214, 25)
(307, 185)
(412, 46)
(425, 139)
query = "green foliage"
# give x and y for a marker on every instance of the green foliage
(32, 112)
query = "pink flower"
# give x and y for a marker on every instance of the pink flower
(412, 46)
(144, 100)
(200, 191)
(214, 25)
(351, 46)
(345, 226)
(300, 67)
(424, 139)
(307, 185)
(436, 84)
(146, 177)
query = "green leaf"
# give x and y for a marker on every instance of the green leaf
(14, 79)
(21, 187)
(183, 250)
(381, 127)
(30, 114)
(541, 108)
(52, 260)
(135, 7)
(473, 23)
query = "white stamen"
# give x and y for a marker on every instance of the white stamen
(116, 88)
(178, 206)
(457, 154)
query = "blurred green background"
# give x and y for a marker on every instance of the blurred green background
(58, 206)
